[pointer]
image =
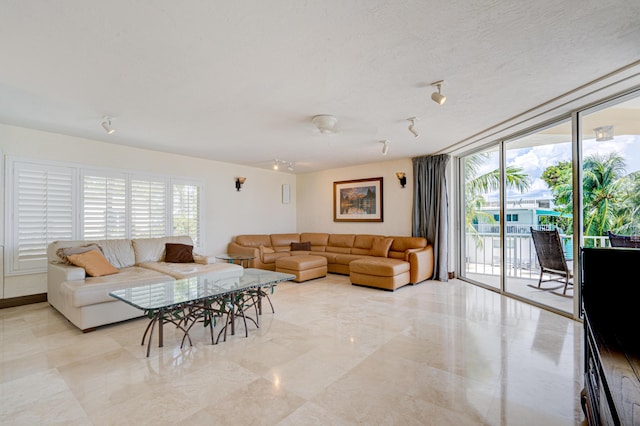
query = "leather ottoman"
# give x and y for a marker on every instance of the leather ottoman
(380, 272)
(304, 267)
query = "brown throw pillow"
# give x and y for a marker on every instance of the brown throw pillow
(380, 246)
(64, 252)
(93, 262)
(303, 246)
(178, 253)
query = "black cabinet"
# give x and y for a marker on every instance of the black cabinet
(611, 303)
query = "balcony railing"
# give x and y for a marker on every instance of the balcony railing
(483, 251)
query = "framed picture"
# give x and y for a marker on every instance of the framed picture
(358, 200)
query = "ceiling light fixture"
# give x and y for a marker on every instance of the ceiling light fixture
(325, 123)
(385, 147)
(106, 124)
(604, 133)
(412, 128)
(277, 163)
(438, 97)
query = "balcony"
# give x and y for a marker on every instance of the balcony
(482, 262)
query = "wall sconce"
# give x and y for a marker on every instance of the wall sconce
(239, 182)
(402, 178)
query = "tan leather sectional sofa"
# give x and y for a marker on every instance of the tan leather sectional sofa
(342, 249)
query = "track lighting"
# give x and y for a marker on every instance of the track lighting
(385, 147)
(106, 124)
(277, 163)
(412, 128)
(239, 182)
(438, 97)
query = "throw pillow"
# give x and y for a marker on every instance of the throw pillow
(303, 246)
(380, 246)
(93, 262)
(178, 253)
(64, 252)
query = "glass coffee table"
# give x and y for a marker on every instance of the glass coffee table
(232, 258)
(203, 298)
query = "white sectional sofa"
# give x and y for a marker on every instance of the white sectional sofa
(85, 300)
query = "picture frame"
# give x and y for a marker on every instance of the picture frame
(358, 200)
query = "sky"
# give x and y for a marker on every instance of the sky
(534, 160)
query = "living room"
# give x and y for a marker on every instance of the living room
(206, 94)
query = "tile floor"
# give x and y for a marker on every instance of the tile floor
(332, 354)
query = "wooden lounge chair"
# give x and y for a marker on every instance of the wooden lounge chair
(632, 241)
(551, 258)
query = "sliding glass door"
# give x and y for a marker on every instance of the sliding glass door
(539, 197)
(528, 183)
(481, 237)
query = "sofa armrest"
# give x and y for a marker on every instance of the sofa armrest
(58, 273)
(235, 248)
(421, 261)
(204, 259)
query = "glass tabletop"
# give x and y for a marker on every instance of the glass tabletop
(228, 256)
(168, 294)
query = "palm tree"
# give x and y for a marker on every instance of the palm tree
(476, 185)
(603, 195)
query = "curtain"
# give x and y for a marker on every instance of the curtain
(431, 208)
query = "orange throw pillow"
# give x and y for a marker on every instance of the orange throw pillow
(94, 263)
(380, 246)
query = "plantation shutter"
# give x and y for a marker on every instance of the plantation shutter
(186, 211)
(148, 208)
(42, 212)
(104, 214)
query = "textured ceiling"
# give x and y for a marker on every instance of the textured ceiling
(239, 81)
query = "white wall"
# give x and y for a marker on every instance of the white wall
(315, 199)
(256, 209)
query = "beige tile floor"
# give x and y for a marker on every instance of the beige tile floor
(332, 354)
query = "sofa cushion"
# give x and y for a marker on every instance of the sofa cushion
(153, 249)
(187, 270)
(254, 240)
(380, 246)
(377, 266)
(401, 244)
(93, 262)
(282, 242)
(178, 253)
(118, 252)
(94, 290)
(318, 240)
(346, 259)
(341, 241)
(302, 246)
(64, 252)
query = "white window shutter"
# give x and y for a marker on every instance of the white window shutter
(186, 211)
(104, 201)
(148, 208)
(42, 212)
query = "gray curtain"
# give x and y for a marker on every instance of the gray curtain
(431, 208)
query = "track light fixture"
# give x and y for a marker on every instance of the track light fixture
(106, 124)
(277, 163)
(385, 147)
(239, 182)
(412, 128)
(438, 97)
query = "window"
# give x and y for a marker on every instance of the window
(104, 207)
(41, 211)
(52, 202)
